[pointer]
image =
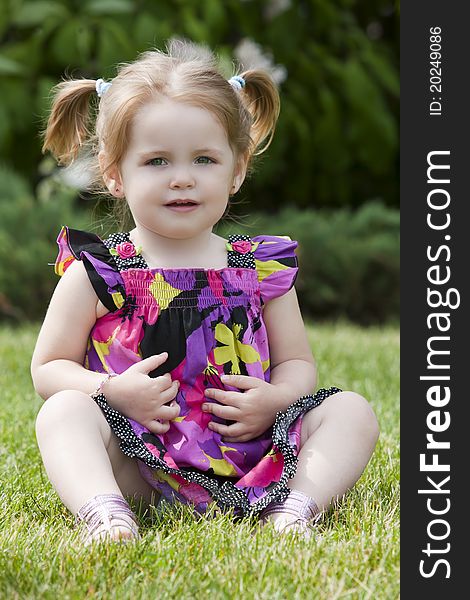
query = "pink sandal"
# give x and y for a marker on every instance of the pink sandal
(298, 505)
(108, 516)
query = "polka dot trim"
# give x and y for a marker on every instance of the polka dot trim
(237, 259)
(123, 264)
(234, 259)
(226, 495)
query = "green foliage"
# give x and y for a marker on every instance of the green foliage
(349, 260)
(27, 235)
(337, 137)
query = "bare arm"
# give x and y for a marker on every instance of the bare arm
(293, 369)
(57, 362)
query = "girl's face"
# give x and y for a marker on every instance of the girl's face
(178, 171)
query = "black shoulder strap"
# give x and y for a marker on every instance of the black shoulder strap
(83, 241)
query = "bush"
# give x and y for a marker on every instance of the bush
(29, 228)
(349, 260)
(337, 62)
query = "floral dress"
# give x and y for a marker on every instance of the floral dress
(210, 321)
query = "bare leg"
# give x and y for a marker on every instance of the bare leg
(337, 441)
(81, 454)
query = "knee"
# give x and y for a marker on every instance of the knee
(62, 407)
(358, 414)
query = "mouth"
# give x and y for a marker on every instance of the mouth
(182, 205)
(181, 202)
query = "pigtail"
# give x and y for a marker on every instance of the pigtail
(68, 124)
(261, 99)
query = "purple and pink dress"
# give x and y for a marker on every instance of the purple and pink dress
(210, 321)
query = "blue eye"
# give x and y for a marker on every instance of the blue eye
(157, 162)
(204, 160)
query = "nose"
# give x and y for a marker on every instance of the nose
(181, 178)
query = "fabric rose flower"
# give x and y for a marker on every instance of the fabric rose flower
(242, 246)
(126, 250)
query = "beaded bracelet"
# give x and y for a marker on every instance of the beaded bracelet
(99, 389)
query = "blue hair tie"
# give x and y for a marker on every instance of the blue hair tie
(237, 82)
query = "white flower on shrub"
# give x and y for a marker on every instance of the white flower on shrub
(79, 174)
(251, 56)
(272, 8)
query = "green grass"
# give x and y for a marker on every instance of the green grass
(355, 554)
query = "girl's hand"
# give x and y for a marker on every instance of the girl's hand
(254, 410)
(147, 400)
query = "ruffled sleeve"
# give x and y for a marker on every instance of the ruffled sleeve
(276, 265)
(99, 264)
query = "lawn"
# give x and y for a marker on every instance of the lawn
(355, 553)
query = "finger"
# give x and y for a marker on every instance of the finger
(230, 398)
(229, 431)
(158, 428)
(242, 382)
(163, 382)
(171, 402)
(168, 413)
(166, 396)
(146, 365)
(224, 412)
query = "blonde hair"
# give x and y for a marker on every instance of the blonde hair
(186, 73)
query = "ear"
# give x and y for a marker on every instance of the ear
(239, 174)
(111, 177)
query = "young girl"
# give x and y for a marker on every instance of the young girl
(173, 361)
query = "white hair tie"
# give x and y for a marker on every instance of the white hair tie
(102, 86)
(237, 82)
